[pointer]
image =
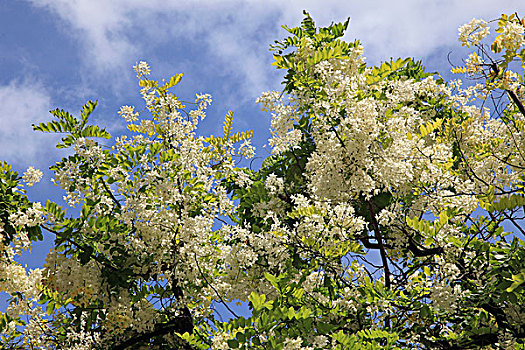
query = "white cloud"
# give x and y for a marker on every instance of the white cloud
(23, 104)
(400, 28)
(116, 33)
(98, 24)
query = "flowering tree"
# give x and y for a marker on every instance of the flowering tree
(388, 216)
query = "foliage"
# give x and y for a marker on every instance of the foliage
(380, 221)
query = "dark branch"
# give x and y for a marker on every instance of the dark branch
(511, 93)
(177, 326)
(379, 239)
(422, 252)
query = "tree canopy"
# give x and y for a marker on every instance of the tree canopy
(389, 214)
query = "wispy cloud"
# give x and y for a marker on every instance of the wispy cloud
(23, 103)
(99, 25)
(400, 28)
(114, 34)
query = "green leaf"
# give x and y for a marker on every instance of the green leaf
(257, 300)
(424, 312)
(233, 343)
(518, 280)
(50, 307)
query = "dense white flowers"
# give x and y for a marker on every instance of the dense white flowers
(293, 344)
(128, 113)
(31, 217)
(142, 69)
(474, 63)
(284, 135)
(246, 149)
(510, 81)
(512, 35)
(445, 296)
(472, 33)
(274, 184)
(32, 176)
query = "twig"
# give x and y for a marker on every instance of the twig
(213, 288)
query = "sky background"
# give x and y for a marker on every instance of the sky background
(61, 53)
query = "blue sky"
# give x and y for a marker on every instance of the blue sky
(60, 53)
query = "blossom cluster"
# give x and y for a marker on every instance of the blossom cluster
(32, 176)
(472, 33)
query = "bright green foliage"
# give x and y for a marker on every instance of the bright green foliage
(75, 128)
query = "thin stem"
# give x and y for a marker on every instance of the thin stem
(213, 288)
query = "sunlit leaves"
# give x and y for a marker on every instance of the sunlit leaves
(75, 128)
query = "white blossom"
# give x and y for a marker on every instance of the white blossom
(128, 113)
(32, 176)
(142, 69)
(472, 33)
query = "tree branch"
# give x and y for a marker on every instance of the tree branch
(511, 93)
(379, 239)
(422, 252)
(170, 328)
